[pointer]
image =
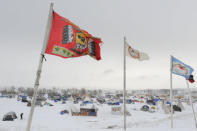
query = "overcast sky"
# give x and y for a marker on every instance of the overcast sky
(158, 27)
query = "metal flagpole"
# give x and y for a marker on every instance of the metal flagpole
(124, 89)
(36, 84)
(191, 103)
(171, 93)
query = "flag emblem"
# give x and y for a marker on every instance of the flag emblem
(136, 54)
(62, 51)
(179, 68)
(67, 34)
(81, 41)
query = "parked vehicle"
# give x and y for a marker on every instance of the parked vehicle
(145, 108)
(10, 116)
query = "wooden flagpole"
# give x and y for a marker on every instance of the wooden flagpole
(36, 84)
(190, 96)
(124, 88)
(171, 93)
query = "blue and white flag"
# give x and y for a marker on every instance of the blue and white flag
(179, 68)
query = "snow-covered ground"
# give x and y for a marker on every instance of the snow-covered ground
(48, 118)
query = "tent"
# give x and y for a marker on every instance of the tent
(87, 102)
(180, 105)
(48, 104)
(156, 100)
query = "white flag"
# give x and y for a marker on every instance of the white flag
(135, 53)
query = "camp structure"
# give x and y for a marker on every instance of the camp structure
(47, 103)
(64, 112)
(118, 110)
(84, 111)
(180, 105)
(24, 99)
(101, 100)
(145, 108)
(87, 100)
(114, 102)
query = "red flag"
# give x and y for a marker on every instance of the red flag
(191, 79)
(68, 40)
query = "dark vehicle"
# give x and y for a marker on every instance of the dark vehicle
(24, 100)
(10, 116)
(176, 108)
(63, 102)
(75, 102)
(150, 102)
(29, 103)
(100, 100)
(145, 108)
(64, 112)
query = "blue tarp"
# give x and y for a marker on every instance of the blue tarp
(168, 102)
(113, 103)
(92, 113)
(24, 97)
(87, 102)
(156, 100)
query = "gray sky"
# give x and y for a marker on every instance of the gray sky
(158, 27)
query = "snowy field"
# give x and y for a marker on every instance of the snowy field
(48, 118)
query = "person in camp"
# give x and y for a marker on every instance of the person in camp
(21, 116)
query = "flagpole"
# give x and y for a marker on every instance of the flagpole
(124, 89)
(171, 93)
(36, 84)
(191, 103)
